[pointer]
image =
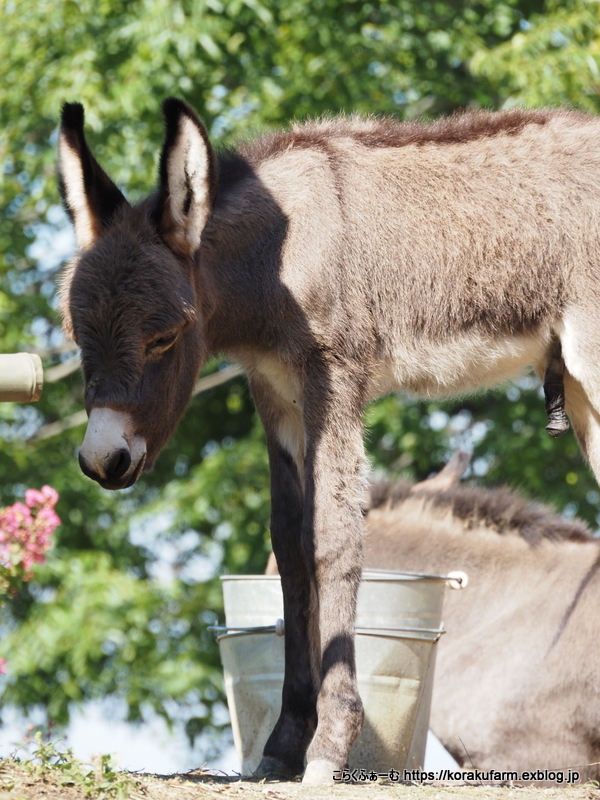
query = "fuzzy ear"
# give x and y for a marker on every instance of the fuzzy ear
(89, 196)
(188, 178)
(447, 477)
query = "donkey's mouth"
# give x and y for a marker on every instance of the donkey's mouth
(122, 482)
(136, 472)
(127, 480)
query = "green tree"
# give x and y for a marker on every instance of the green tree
(97, 621)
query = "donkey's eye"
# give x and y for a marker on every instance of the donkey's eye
(162, 343)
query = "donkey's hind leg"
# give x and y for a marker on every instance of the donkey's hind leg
(554, 391)
(585, 419)
(580, 343)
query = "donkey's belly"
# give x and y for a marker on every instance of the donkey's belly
(459, 365)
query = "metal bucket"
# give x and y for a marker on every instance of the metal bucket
(386, 599)
(390, 670)
(397, 626)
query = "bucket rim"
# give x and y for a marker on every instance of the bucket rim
(369, 575)
(421, 634)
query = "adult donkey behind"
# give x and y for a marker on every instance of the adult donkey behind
(336, 262)
(517, 672)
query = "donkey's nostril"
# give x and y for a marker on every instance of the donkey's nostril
(118, 464)
(87, 470)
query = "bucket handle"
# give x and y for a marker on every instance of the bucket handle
(278, 629)
(457, 579)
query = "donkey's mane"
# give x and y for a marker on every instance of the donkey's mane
(239, 162)
(501, 509)
(389, 132)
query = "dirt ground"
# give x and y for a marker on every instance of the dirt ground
(17, 782)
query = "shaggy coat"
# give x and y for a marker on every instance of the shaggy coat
(337, 261)
(518, 670)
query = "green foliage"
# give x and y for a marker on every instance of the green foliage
(564, 43)
(98, 619)
(83, 638)
(506, 429)
(52, 762)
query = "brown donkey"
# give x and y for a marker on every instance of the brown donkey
(336, 262)
(517, 674)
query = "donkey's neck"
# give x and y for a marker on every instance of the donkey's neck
(239, 266)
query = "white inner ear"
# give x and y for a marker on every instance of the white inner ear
(188, 171)
(72, 176)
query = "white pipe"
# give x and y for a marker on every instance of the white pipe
(21, 378)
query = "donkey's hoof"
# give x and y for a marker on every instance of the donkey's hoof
(319, 772)
(270, 767)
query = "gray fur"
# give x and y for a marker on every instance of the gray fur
(517, 671)
(339, 260)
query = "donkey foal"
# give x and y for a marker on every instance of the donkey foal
(337, 262)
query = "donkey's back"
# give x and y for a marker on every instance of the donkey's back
(448, 253)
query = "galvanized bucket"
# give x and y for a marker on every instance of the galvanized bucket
(386, 599)
(390, 670)
(397, 626)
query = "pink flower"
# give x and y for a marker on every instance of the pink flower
(34, 498)
(50, 494)
(3, 666)
(25, 535)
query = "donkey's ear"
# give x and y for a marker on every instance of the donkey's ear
(448, 477)
(188, 178)
(89, 196)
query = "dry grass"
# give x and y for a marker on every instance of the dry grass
(73, 781)
(53, 773)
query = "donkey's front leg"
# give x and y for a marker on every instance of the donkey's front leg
(332, 538)
(285, 749)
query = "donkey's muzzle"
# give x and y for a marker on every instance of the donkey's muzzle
(111, 453)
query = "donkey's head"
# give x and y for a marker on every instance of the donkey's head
(130, 299)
